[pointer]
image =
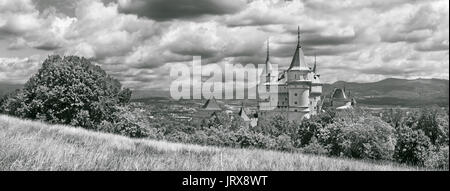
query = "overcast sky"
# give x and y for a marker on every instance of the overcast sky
(137, 41)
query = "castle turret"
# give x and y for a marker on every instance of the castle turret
(267, 79)
(268, 75)
(299, 83)
(316, 84)
(316, 90)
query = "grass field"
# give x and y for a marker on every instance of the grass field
(29, 145)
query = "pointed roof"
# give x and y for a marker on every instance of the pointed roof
(315, 63)
(242, 113)
(211, 104)
(339, 94)
(298, 61)
(268, 70)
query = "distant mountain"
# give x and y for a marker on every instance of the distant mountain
(391, 91)
(399, 92)
(6, 88)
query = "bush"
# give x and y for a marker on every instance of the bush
(314, 147)
(68, 90)
(412, 146)
(250, 139)
(307, 129)
(128, 122)
(430, 124)
(284, 143)
(438, 159)
(367, 137)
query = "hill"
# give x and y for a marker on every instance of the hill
(28, 145)
(400, 92)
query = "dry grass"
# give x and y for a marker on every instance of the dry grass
(28, 145)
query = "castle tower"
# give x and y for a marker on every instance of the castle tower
(267, 79)
(316, 90)
(299, 85)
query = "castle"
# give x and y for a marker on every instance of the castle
(299, 89)
(298, 92)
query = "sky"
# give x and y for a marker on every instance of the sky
(137, 41)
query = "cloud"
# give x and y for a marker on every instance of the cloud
(179, 9)
(18, 70)
(138, 41)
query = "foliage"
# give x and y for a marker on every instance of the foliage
(438, 159)
(412, 146)
(68, 90)
(306, 130)
(433, 127)
(314, 147)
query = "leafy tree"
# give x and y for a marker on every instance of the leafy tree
(306, 130)
(68, 90)
(412, 146)
(430, 125)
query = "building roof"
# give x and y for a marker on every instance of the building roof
(211, 104)
(348, 105)
(298, 61)
(242, 114)
(339, 94)
(268, 70)
(315, 64)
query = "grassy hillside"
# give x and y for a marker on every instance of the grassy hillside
(28, 145)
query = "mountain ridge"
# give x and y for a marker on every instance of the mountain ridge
(389, 91)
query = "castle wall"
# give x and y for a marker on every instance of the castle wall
(297, 116)
(298, 95)
(316, 89)
(315, 102)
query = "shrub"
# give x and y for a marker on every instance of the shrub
(129, 123)
(367, 137)
(284, 143)
(307, 129)
(412, 146)
(438, 159)
(430, 125)
(314, 147)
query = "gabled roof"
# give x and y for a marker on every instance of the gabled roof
(242, 114)
(211, 104)
(338, 94)
(298, 61)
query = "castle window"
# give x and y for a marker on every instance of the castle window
(295, 94)
(295, 110)
(295, 103)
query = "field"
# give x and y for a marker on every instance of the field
(30, 145)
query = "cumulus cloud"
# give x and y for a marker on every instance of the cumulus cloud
(18, 70)
(179, 9)
(138, 41)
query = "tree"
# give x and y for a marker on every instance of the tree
(69, 90)
(412, 146)
(429, 123)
